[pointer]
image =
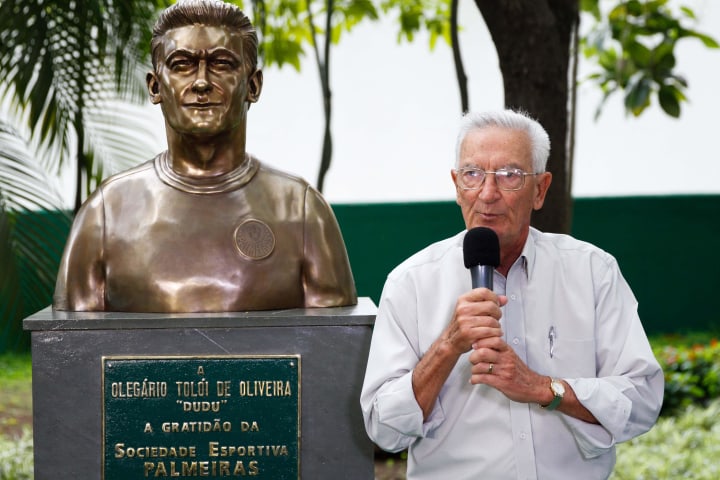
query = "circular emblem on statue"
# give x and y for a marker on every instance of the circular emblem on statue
(254, 239)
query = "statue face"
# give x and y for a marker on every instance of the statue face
(201, 80)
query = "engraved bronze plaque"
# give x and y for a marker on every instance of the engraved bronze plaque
(217, 416)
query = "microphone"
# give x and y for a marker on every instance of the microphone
(481, 252)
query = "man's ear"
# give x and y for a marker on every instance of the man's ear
(255, 81)
(453, 174)
(541, 188)
(153, 86)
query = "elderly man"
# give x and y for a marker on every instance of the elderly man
(538, 379)
(204, 226)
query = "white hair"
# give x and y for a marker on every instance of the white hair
(512, 120)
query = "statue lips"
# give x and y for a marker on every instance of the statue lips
(202, 105)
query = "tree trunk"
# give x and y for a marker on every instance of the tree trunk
(533, 39)
(457, 58)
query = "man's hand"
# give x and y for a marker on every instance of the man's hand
(495, 364)
(509, 374)
(477, 316)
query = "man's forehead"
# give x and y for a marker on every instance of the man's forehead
(201, 37)
(504, 145)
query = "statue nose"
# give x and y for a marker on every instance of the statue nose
(201, 85)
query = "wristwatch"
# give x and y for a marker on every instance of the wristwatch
(558, 390)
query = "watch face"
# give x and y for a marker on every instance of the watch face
(557, 387)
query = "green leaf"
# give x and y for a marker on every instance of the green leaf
(669, 101)
(639, 54)
(707, 40)
(592, 7)
(637, 96)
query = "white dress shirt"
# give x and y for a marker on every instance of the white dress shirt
(559, 285)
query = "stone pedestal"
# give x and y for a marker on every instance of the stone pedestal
(73, 351)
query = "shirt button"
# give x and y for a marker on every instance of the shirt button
(523, 435)
(513, 297)
(516, 341)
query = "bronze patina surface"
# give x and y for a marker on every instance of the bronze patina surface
(204, 226)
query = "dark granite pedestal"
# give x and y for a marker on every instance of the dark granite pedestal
(73, 352)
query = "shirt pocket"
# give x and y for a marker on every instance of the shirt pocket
(565, 357)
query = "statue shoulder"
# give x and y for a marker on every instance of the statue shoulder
(140, 169)
(281, 176)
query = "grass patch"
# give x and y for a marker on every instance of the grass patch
(15, 395)
(14, 367)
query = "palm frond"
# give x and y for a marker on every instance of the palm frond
(33, 229)
(63, 58)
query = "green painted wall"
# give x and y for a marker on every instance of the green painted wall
(666, 247)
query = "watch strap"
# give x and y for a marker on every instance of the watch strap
(555, 402)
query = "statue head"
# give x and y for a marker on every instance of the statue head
(211, 13)
(205, 73)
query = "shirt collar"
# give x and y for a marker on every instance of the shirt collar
(226, 182)
(526, 261)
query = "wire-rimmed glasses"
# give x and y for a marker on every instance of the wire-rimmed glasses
(507, 178)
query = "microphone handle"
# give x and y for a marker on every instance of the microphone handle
(482, 276)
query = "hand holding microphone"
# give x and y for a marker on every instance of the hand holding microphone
(477, 312)
(481, 253)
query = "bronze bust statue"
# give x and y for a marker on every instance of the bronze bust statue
(204, 226)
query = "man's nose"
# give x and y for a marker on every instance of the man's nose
(489, 188)
(201, 84)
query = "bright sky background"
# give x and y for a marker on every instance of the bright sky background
(396, 109)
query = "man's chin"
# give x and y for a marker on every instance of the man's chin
(485, 220)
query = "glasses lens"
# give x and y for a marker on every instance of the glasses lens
(471, 178)
(509, 178)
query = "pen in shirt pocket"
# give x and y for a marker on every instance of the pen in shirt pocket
(551, 341)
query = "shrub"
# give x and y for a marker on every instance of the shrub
(16, 457)
(692, 374)
(686, 446)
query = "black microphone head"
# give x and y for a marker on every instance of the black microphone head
(481, 247)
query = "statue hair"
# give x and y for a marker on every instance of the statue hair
(215, 13)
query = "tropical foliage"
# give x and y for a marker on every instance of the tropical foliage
(31, 238)
(62, 64)
(68, 69)
(634, 47)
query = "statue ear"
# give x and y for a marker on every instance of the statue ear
(255, 82)
(153, 86)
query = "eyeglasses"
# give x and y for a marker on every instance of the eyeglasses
(507, 178)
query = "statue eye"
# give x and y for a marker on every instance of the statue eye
(223, 63)
(181, 64)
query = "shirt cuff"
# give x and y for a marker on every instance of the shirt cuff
(398, 409)
(608, 405)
